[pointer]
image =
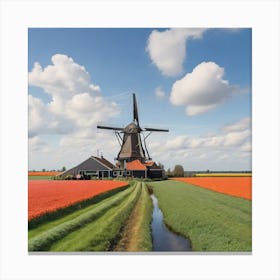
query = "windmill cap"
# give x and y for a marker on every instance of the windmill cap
(131, 128)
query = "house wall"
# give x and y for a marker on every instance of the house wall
(154, 174)
(104, 174)
(138, 173)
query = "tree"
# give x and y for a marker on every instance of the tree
(43, 170)
(169, 173)
(63, 168)
(178, 171)
(161, 165)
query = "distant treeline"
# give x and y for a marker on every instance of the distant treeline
(48, 170)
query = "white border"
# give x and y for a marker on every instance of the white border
(262, 16)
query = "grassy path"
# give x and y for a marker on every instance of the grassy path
(136, 235)
(212, 221)
(109, 214)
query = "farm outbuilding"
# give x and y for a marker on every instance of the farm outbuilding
(136, 169)
(93, 166)
(144, 170)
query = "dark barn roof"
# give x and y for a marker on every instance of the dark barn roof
(105, 162)
(152, 165)
(92, 163)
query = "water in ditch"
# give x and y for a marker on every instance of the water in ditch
(165, 240)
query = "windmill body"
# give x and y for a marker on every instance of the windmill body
(132, 148)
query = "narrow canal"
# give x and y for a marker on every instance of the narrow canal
(165, 240)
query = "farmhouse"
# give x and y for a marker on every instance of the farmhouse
(93, 166)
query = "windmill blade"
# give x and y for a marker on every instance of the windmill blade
(110, 127)
(156, 129)
(135, 110)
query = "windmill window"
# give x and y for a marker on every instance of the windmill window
(116, 173)
(127, 173)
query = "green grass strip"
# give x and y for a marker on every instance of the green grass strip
(43, 241)
(146, 243)
(136, 235)
(212, 221)
(100, 234)
(40, 177)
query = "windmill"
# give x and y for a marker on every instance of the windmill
(132, 139)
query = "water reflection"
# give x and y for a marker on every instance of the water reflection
(163, 238)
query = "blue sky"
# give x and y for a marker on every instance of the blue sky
(196, 82)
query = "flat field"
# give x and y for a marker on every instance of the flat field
(212, 221)
(43, 173)
(46, 196)
(99, 224)
(40, 175)
(35, 177)
(223, 174)
(235, 186)
(76, 216)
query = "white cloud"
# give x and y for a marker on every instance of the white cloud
(232, 146)
(246, 147)
(167, 49)
(159, 92)
(201, 90)
(37, 144)
(43, 121)
(63, 78)
(71, 149)
(243, 124)
(75, 101)
(36, 115)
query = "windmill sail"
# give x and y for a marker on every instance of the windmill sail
(156, 129)
(110, 127)
(135, 110)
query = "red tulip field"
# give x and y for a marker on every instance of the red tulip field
(48, 196)
(235, 186)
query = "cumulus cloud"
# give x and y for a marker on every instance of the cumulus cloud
(167, 49)
(201, 90)
(75, 101)
(63, 78)
(43, 121)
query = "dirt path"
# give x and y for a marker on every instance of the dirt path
(133, 237)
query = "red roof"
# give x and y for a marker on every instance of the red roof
(135, 165)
